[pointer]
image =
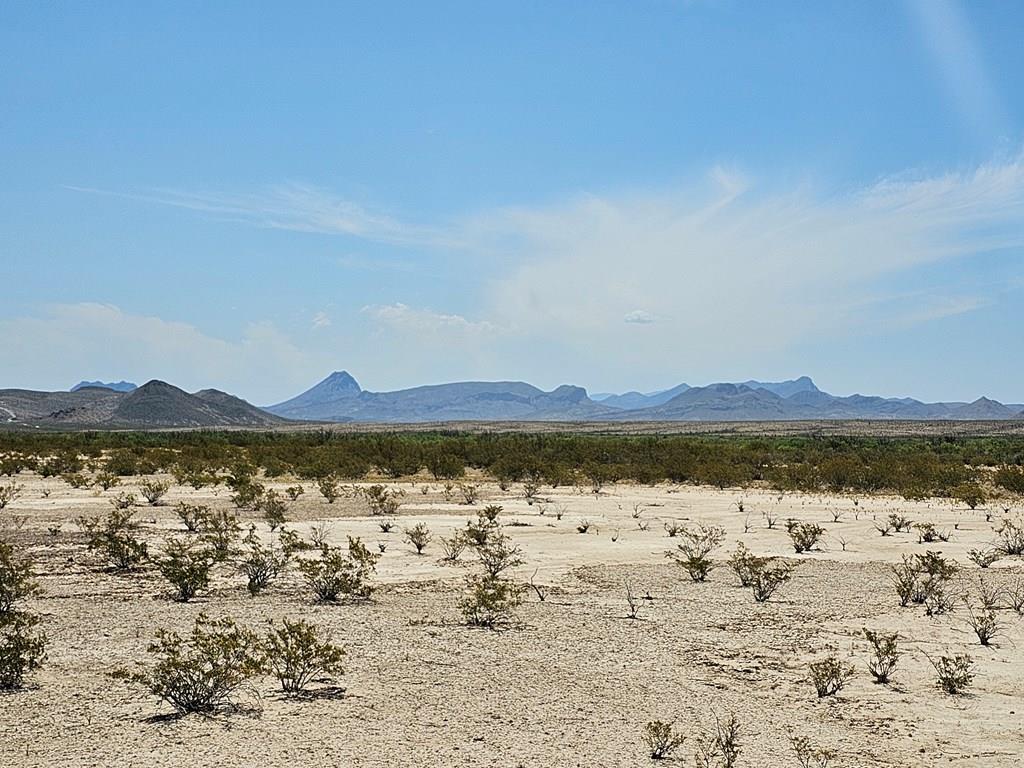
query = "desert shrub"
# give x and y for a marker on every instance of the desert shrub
(804, 536)
(319, 533)
(883, 526)
(984, 623)
(954, 674)
(115, 539)
(336, 574)
(479, 531)
(8, 493)
(885, 654)
(767, 577)
(22, 648)
(970, 494)
(810, 756)
(418, 536)
(743, 563)
(247, 494)
(672, 528)
(922, 579)
(583, 526)
(297, 654)
(490, 601)
(470, 493)
(927, 533)
(192, 515)
(386, 526)
(153, 491)
(123, 501)
(661, 739)
(490, 513)
(719, 748)
(220, 529)
(830, 675)
(693, 552)
(329, 488)
(1010, 478)
(1011, 537)
(294, 491)
(383, 500)
(900, 523)
(1015, 596)
(983, 558)
(105, 480)
(531, 488)
(186, 566)
(202, 671)
(498, 554)
(453, 546)
(261, 563)
(78, 481)
(16, 582)
(274, 510)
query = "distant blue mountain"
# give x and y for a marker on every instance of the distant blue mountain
(117, 386)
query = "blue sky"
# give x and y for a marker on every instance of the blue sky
(613, 194)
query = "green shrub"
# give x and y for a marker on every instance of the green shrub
(115, 539)
(661, 739)
(154, 490)
(830, 675)
(22, 648)
(767, 576)
(274, 510)
(220, 529)
(186, 566)
(8, 493)
(693, 552)
(260, 563)
(297, 654)
(16, 581)
(490, 601)
(418, 536)
(192, 515)
(201, 672)
(885, 655)
(804, 536)
(383, 500)
(954, 674)
(328, 487)
(335, 574)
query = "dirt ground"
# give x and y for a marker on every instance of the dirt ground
(574, 684)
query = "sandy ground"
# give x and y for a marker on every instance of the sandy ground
(574, 685)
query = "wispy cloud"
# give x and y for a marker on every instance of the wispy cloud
(638, 317)
(398, 316)
(321, 320)
(292, 206)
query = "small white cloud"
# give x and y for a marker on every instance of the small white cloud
(639, 317)
(402, 317)
(321, 320)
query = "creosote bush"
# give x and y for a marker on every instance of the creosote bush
(830, 675)
(885, 654)
(114, 537)
(154, 490)
(810, 756)
(202, 671)
(453, 546)
(328, 487)
(418, 536)
(954, 674)
(193, 516)
(22, 648)
(767, 577)
(261, 563)
(490, 601)
(804, 536)
(186, 566)
(16, 582)
(720, 747)
(661, 739)
(336, 575)
(383, 500)
(297, 653)
(8, 493)
(693, 552)
(983, 558)
(220, 529)
(274, 510)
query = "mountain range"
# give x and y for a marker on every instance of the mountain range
(339, 398)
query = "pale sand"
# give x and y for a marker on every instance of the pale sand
(574, 686)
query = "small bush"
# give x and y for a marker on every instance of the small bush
(721, 747)
(201, 672)
(106, 480)
(274, 510)
(954, 674)
(984, 623)
(830, 675)
(294, 491)
(115, 539)
(336, 574)
(22, 648)
(498, 554)
(123, 501)
(927, 533)
(8, 493)
(804, 536)
(743, 563)
(383, 500)
(900, 523)
(453, 546)
(478, 532)
(297, 654)
(1011, 538)
(192, 515)
(328, 487)
(260, 563)
(661, 739)
(490, 601)
(187, 567)
(886, 654)
(810, 756)
(418, 536)
(470, 493)
(154, 490)
(983, 558)
(16, 581)
(693, 553)
(767, 577)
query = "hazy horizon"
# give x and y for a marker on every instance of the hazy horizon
(617, 196)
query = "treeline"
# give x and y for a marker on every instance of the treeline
(913, 467)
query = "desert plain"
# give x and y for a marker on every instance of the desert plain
(574, 680)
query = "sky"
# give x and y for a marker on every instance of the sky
(618, 195)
